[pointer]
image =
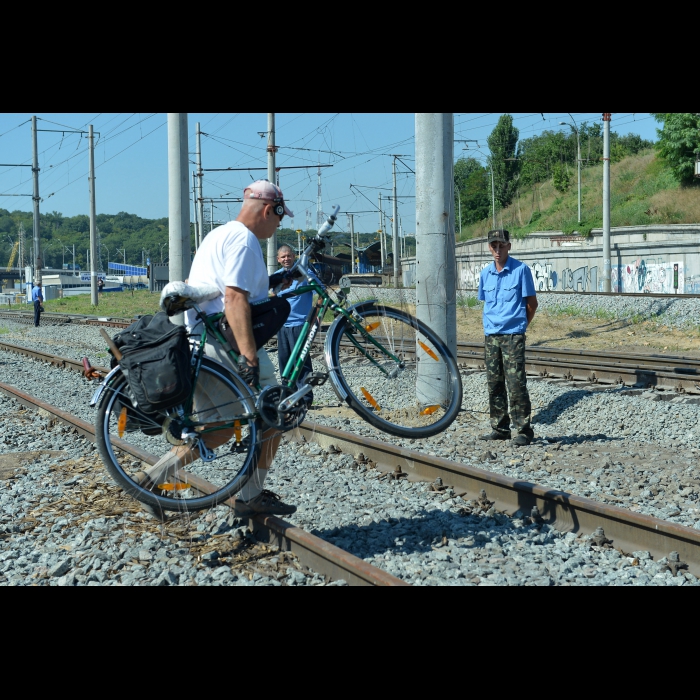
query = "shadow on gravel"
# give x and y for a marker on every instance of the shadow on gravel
(549, 414)
(422, 533)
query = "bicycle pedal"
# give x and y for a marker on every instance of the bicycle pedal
(316, 378)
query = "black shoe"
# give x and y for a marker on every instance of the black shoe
(495, 435)
(522, 440)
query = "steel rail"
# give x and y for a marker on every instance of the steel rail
(312, 551)
(567, 512)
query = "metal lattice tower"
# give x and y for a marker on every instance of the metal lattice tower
(308, 220)
(319, 211)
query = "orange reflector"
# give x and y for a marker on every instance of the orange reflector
(237, 430)
(372, 326)
(370, 398)
(174, 487)
(428, 410)
(121, 423)
(429, 351)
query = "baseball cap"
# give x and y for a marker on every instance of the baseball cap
(499, 234)
(264, 189)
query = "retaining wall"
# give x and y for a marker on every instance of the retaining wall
(654, 259)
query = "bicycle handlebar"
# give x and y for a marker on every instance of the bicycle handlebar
(318, 242)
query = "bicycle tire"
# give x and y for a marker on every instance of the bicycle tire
(126, 457)
(417, 401)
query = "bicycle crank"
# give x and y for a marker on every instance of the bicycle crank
(279, 409)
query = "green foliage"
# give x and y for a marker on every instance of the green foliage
(503, 141)
(472, 182)
(679, 140)
(560, 177)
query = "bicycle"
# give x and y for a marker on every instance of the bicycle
(386, 365)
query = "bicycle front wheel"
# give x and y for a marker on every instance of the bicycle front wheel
(148, 458)
(394, 371)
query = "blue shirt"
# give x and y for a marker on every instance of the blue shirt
(36, 294)
(301, 303)
(503, 294)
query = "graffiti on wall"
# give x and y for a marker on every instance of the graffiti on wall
(470, 273)
(645, 275)
(648, 275)
(544, 277)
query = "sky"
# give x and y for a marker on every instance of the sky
(131, 159)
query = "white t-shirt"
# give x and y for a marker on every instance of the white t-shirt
(230, 256)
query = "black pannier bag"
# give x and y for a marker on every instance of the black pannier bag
(156, 363)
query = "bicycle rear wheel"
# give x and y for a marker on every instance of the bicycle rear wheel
(146, 456)
(395, 373)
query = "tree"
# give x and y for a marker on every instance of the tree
(560, 177)
(472, 183)
(679, 139)
(502, 143)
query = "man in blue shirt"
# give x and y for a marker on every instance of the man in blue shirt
(288, 335)
(508, 292)
(38, 299)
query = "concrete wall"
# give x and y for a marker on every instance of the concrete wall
(655, 259)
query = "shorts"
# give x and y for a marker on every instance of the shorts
(212, 402)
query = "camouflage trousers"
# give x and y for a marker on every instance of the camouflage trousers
(504, 356)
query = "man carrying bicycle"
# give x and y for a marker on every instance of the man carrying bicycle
(231, 258)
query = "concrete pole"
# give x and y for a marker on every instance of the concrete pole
(606, 202)
(93, 226)
(578, 149)
(35, 200)
(178, 200)
(200, 177)
(271, 148)
(195, 223)
(211, 215)
(435, 251)
(493, 196)
(351, 220)
(382, 253)
(395, 233)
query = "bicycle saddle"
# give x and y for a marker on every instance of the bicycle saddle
(178, 296)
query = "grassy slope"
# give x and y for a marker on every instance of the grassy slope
(638, 184)
(122, 304)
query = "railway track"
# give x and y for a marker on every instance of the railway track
(626, 530)
(312, 551)
(680, 374)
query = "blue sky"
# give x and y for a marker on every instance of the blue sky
(131, 158)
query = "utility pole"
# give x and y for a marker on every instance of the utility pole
(93, 225)
(435, 247)
(395, 233)
(319, 210)
(35, 199)
(351, 221)
(493, 196)
(194, 211)
(382, 254)
(178, 200)
(211, 216)
(200, 176)
(271, 150)
(606, 201)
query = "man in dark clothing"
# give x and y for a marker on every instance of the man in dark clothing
(38, 299)
(508, 292)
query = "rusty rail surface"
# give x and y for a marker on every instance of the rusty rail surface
(567, 512)
(315, 553)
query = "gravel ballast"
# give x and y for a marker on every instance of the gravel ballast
(636, 449)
